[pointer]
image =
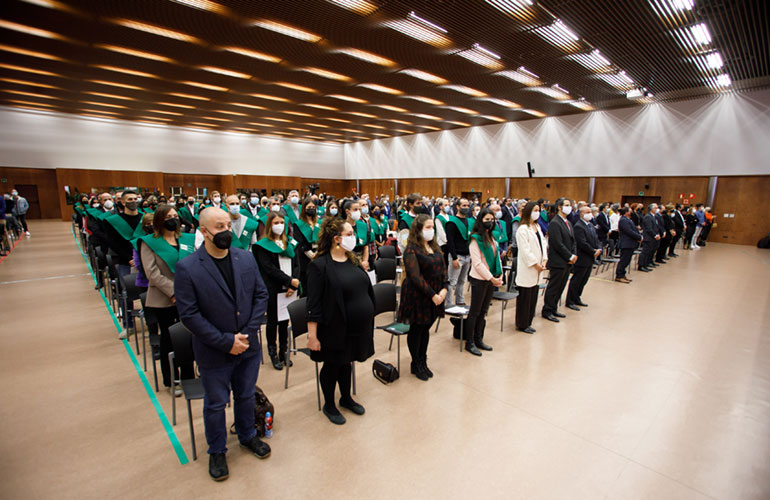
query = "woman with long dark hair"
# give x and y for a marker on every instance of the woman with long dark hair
(305, 231)
(531, 260)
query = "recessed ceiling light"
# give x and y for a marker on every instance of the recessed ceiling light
(320, 106)
(30, 103)
(465, 90)
(358, 6)
(30, 94)
(112, 96)
(521, 75)
(427, 117)
(297, 113)
(26, 82)
(358, 113)
(294, 86)
(270, 97)
(348, 98)
(714, 60)
(366, 56)
(493, 118)
(205, 86)
(534, 112)
(462, 110)
(501, 102)
(287, 30)
(29, 30)
(124, 70)
(724, 80)
(205, 5)
(593, 60)
(483, 57)
(157, 30)
(351, 130)
(134, 52)
(226, 72)
(95, 103)
(459, 124)
(284, 120)
(427, 100)
(326, 73)
(52, 4)
(391, 108)
(381, 88)
(244, 105)
(425, 76)
(340, 120)
(559, 34)
(162, 112)
(253, 54)
(668, 8)
(402, 122)
(226, 112)
(420, 29)
(186, 106)
(27, 70)
(31, 53)
(700, 32)
(189, 96)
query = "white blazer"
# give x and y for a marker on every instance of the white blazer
(529, 255)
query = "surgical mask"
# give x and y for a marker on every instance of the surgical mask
(489, 224)
(234, 209)
(364, 210)
(14, 193)
(333, 211)
(657, 211)
(464, 211)
(348, 242)
(254, 201)
(207, 202)
(108, 204)
(499, 214)
(95, 205)
(223, 239)
(427, 234)
(131, 205)
(310, 212)
(355, 215)
(566, 210)
(139, 199)
(243, 202)
(217, 199)
(294, 200)
(171, 224)
(275, 208)
(534, 215)
(447, 210)
(587, 217)
(278, 228)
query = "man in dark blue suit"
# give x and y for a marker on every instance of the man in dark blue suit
(561, 256)
(651, 235)
(628, 240)
(588, 249)
(222, 300)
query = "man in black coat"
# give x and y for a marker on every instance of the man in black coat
(651, 238)
(664, 226)
(678, 220)
(588, 249)
(628, 239)
(603, 221)
(561, 255)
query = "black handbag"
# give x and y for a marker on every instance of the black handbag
(262, 406)
(384, 372)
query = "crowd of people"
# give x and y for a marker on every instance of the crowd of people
(13, 219)
(227, 264)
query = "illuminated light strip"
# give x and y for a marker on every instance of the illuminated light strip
(331, 75)
(391, 108)
(294, 86)
(95, 103)
(297, 113)
(348, 98)
(226, 72)
(320, 106)
(358, 6)
(366, 56)
(380, 88)
(186, 106)
(134, 52)
(521, 75)
(116, 84)
(425, 76)
(422, 30)
(111, 96)
(244, 105)
(189, 96)
(559, 35)
(205, 5)
(27, 70)
(269, 97)
(25, 82)
(30, 94)
(124, 70)
(172, 113)
(287, 30)
(465, 90)
(358, 113)
(253, 54)
(427, 100)
(31, 53)
(29, 30)
(205, 86)
(157, 30)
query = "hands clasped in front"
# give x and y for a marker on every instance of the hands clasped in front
(240, 344)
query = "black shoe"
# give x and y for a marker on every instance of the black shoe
(653, 265)
(353, 406)
(675, 255)
(581, 303)
(334, 416)
(257, 447)
(661, 261)
(218, 467)
(286, 356)
(471, 348)
(644, 269)
(413, 368)
(484, 347)
(276, 362)
(573, 307)
(528, 329)
(559, 315)
(551, 317)
(425, 367)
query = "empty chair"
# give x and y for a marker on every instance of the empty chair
(505, 296)
(148, 316)
(387, 252)
(385, 301)
(181, 340)
(385, 270)
(298, 326)
(131, 292)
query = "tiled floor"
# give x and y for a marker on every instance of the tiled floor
(659, 389)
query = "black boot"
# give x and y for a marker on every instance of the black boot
(428, 372)
(478, 336)
(471, 348)
(274, 358)
(286, 357)
(418, 370)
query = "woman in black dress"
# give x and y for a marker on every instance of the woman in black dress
(423, 291)
(340, 314)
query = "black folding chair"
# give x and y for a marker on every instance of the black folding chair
(298, 326)
(148, 316)
(509, 294)
(385, 301)
(387, 252)
(181, 342)
(130, 293)
(385, 270)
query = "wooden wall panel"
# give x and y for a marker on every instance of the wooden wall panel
(744, 196)
(47, 191)
(335, 187)
(269, 183)
(376, 187)
(550, 188)
(487, 187)
(189, 183)
(426, 187)
(668, 188)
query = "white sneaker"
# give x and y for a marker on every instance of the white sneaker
(177, 391)
(123, 334)
(28, 235)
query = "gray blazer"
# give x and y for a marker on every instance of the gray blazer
(161, 279)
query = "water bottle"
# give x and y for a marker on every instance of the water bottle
(268, 425)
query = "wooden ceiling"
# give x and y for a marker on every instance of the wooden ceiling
(354, 70)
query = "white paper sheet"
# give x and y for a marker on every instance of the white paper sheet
(372, 277)
(456, 310)
(283, 305)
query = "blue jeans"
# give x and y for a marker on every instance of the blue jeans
(124, 270)
(242, 377)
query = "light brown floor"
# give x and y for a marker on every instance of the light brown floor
(660, 389)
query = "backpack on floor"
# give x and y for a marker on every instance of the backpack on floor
(764, 242)
(262, 405)
(456, 323)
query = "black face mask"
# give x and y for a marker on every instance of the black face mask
(376, 213)
(310, 212)
(465, 211)
(179, 204)
(148, 229)
(131, 205)
(153, 205)
(489, 224)
(223, 239)
(119, 204)
(171, 224)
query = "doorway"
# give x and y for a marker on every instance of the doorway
(29, 192)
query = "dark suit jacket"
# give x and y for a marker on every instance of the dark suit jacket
(211, 313)
(678, 221)
(561, 243)
(270, 269)
(649, 227)
(587, 243)
(661, 225)
(629, 236)
(508, 218)
(603, 221)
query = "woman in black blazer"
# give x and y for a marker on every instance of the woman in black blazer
(340, 314)
(279, 266)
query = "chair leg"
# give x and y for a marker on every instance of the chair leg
(192, 430)
(390, 346)
(438, 322)
(353, 374)
(173, 388)
(317, 387)
(288, 361)
(144, 344)
(399, 352)
(502, 313)
(155, 372)
(136, 337)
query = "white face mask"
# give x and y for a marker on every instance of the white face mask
(333, 211)
(499, 214)
(234, 209)
(254, 201)
(587, 217)
(364, 210)
(294, 200)
(355, 215)
(275, 208)
(535, 214)
(566, 210)
(657, 211)
(217, 199)
(278, 228)
(447, 209)
(14, 193)
(108, 204)
(95, 205)
(427, 234)
(348, 242)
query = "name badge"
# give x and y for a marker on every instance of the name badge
(184, 247)
(244, 233)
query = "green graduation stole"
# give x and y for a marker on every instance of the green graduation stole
(262, 212)
(165, 251)
(122, 227)
(501, 236)
(271, 246)
(379, 228)
(243, 240)
(362, 233)
(442, 220)
(489, 255)
(406, 217)
(461, 227)
(290, 213)
(187, 215)
(79, 208)
(310, 233)
(544, 215)
(247, 213)
(321, 211)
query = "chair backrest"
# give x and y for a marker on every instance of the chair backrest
(129, 285)
(101, 259)
(298, 317)
(384, 298)
(385, 269)
(181, 343)
(387, 252)
(112, 267)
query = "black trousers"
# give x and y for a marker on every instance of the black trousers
(481, 297)
(526, 304)
(648, 250)
(672, 245)
(417, 340)
(23, 221)
(556, 284)
(578, 282)
(663, 248)
(626, 254)
(167, 317)
(333, 374)
(614, 236)
(273, 325)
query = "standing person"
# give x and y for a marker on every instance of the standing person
(189, 214)
(216, 201)
(691, 223)
(379, 225)
(159, 254)
(678, 220)
(458, 231)
(412, 208)
(561, 256)
(352, 210)
(279, 265)
(532, 259)
(664, 227)
(222, 300)
(306, 233)
(20, 210)
(588, 249)
(101, 207)
(441, 220)
(486, 274)
(628, 241)
(707, 228)
(651, 238)
(701, 216)
(603, 223)
(292, 208)
(340, 314)
(423, 291)
(500, 233)
(614, 231)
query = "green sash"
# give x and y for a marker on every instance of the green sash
(493, 262)
(321, 211)
(464, 231)
(187, 215)
(122, 227)
(166, 252)
(271, 246)
(290, 213)
(79, 208)
(501, 236)
(406, 217)
(247, 213)
(310, 233)
(262, 212)
(379, 228)
(362, 233)
(544, 215)
(243, 240)
(517, 219)
(442, 220)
